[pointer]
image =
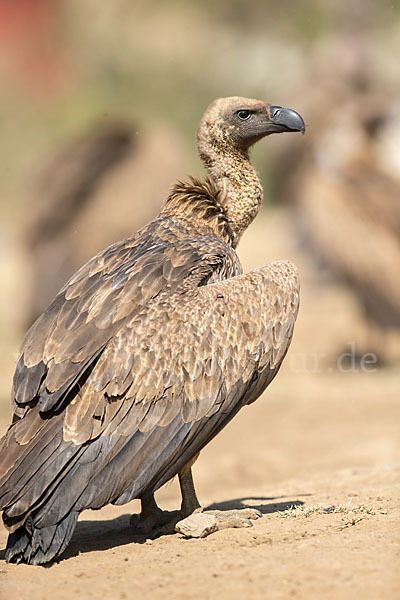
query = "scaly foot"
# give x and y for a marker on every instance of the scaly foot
(152, 517)
(201, 525)
(151, 524)
(240, 517)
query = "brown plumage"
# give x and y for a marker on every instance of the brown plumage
(148, 350)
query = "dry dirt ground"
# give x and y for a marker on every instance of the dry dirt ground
(318, 454)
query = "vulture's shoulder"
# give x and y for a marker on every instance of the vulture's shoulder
(68, 338)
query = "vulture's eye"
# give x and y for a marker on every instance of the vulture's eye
(243, 114)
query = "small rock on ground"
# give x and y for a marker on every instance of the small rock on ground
(197, 525)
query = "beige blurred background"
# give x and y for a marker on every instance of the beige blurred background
(99, 108)
(100, 103)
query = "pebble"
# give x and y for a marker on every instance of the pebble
(197, 525)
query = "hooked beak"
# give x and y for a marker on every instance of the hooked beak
(285, 119)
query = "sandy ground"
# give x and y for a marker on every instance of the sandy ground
(318, 454)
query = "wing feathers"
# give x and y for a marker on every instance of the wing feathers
(151, 358)
(224, 333)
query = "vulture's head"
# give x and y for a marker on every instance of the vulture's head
(240, 122)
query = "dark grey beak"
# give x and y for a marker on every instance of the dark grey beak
(286, 119)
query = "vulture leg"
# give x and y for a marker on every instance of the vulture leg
(190, 503)
(158, 522)
(152, 520)
(224, 519)
(151, 517)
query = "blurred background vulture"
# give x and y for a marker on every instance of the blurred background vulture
(343, 191)
(75, 189)
(149, 349)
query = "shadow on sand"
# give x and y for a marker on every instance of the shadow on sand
(264, 504)
(95, 536)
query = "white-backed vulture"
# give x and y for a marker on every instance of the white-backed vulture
(74, 190)
(345, 187)
(149, 350)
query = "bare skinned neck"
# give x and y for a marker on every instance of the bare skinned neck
(230, 168)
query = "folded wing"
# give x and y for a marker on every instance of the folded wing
(164, 386)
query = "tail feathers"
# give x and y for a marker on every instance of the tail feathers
(35, 546)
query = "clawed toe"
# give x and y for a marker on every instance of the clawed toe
(235, 518)
(154, 522)
(236, 514)
(159, 523)
(203, 524)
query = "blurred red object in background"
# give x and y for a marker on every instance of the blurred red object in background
(31, 48)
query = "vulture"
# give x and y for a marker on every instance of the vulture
(148, 350)
(62, 193)
(345, 188)
(73, 189)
